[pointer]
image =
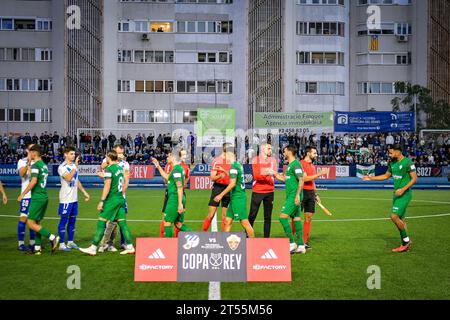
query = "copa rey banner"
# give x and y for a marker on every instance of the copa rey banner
(300, 122)
(212, 256)
(373, 121)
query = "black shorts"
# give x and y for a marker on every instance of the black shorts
(309, 201)
(216, 190)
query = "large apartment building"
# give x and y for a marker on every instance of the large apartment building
(151, 64)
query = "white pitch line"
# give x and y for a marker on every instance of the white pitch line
(214, 286)
(437, 215)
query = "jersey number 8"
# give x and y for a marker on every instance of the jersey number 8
(120, 185)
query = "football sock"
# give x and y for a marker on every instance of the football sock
(62, 228)
(168, 232)
(21, 231)
(99, 232)
(32, 235)
(122, 237)
(45, 233)
(125, 231)
(293, 227)
(71, 229)
(176, 231)
(404, 236)
(306, 228)
(207, 224)
(287, 229)
(299, 232)
(161, 229)
(38, 241)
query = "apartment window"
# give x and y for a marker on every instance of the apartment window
(205, 26)
(24, 24)
(124, 26)
(139, 56)
(139, 86)
(211, 27)
(124, 55)
(384, 2)
(336, 58)
(2, 84)
(44, 85)
(320, 2)
(223, 57)
(124, 85)
(201, 86)
(14, 114)
(160, 26)
(191, 26)
(2, 114)
(189, 116)
(222, 87)
(43, 54)
(159, 86)
(190, 86)
(125, 115)
(201, 57)
(181, 86)
(211, 57)
(403, 29)
(201, 26)
(168, 56)
(29, 115)
(402, 59)
(150, 86)
(149, 56)
(24, 84)
(6, 24)
(376, 88)
(181, 26)
(211, 85)
(168, 86)
(159, 56)
(43, 24)
(141, 116)
(141, 26)
(320, 28)
(317, 87)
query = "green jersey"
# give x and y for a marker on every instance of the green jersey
(177, 174)
(115, 173)
(237, 172)
(400, 172)
(293, 173)
(39, 170)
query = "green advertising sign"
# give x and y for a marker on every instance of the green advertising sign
(322, 121)
(215, 126)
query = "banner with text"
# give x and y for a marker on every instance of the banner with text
(373, 121)
(141, 172)
(215, 126)
(300, 122)
(212, 256)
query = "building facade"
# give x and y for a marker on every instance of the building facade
(149, 65)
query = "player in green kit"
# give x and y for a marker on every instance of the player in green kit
(403, 171)
(112, 206)
(39, 200)
(293, 178)
(176, 198)
(237, 209)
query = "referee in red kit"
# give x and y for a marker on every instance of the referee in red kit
(309, 190)
(263, 186)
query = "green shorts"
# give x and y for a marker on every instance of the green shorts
(171, 213)
(37, 209)
(113, 209)
(399, 204)
(237, 209)
(290, 208)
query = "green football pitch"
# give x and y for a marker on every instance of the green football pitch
(358, 235)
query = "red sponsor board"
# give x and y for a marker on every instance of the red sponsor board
(268, 260)
(141, 172)
(200, 182)
(331, 175)
(156, 259)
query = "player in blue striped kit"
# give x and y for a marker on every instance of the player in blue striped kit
(68, 198)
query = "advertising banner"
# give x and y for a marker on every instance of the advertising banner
(212, 256)
(215, 126)
(86, 170)
(268, 259)
(429, 171)
(342, 171)
(156, 259)
(331, 174)
(141, 172)
(8, 170)
(301, 122)
(200, 182)
(374, 121)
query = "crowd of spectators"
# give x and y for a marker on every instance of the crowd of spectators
(333, 149)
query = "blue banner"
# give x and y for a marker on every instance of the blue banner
(373, 121)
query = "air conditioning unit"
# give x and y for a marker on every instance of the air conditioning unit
(402, 38)
(144, 37)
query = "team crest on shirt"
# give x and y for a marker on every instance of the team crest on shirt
(400, 167)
